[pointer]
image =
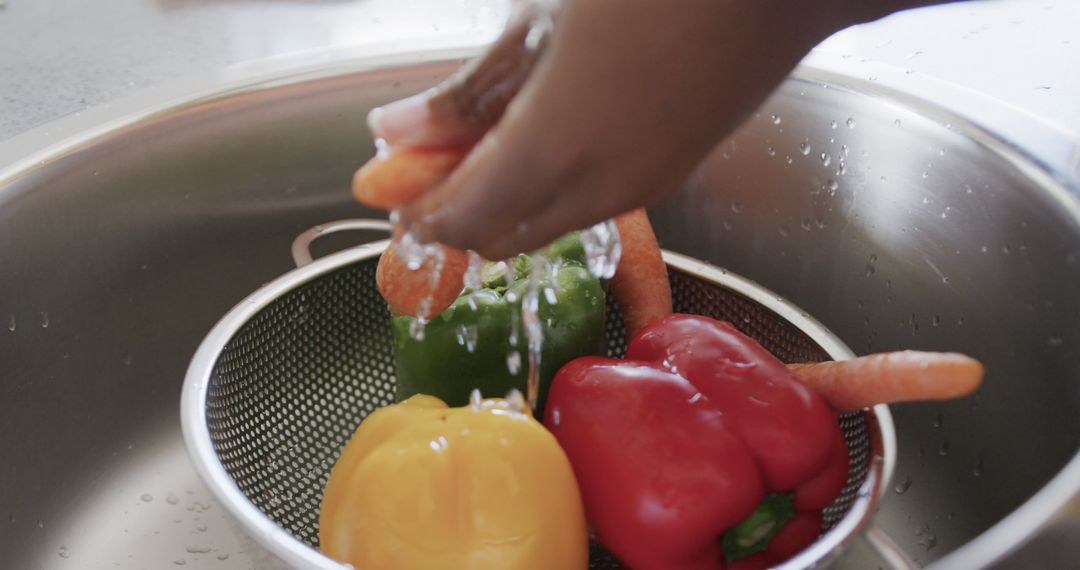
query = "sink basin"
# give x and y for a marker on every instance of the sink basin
(893, 222)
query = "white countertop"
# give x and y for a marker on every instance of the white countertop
(60, 57)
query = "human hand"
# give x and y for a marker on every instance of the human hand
(610, 111)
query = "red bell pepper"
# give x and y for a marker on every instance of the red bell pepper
(700, 449)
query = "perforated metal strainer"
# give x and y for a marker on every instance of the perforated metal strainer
(280, 384)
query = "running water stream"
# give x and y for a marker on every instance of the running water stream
(602, 252)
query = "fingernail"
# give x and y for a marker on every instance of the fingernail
(402, 121)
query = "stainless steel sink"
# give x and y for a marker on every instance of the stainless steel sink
(893, 222)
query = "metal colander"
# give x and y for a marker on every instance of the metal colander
(282, 382)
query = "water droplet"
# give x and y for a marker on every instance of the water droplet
(870, 270)
(473, 278)
(806, 224)
(770, 151)
(223, 556)
(850, 123)
(826, 159)
(198, 549)
(1005, 249)
(832, 124)
(883, 179)
(832, 185)
(513, 362)
(201, 528)
(929, 540)
(904, 485)
(171, 498)
(943, 450)
(41, 524)
(44, 320)
(897, 123)
(938, 420)
(727, 225)
(788, 159)
(736, 207)
(776, 120)
(180, 562)
(416, 328)
(602, 249)
(783, 231)
(63, 552)
(11, 323)
(925, 174)
(804, 148)
(936, 321)
(1055, 340)
(977, 470)
(146, 497)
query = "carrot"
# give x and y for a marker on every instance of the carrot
(399, 176)
(891, 377)
(641, 282)
(388, 181)
(406, 290)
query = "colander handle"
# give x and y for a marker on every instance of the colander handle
(301, 246)
(890, 553)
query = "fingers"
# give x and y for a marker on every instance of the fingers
(585, 139)
(460, 110)
(629, 97)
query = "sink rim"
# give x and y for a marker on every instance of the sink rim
(25, 153)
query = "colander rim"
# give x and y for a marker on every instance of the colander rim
(297, 554)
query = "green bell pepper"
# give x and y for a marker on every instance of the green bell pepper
(480, 342)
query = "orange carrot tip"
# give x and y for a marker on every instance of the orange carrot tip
(892, 377)
(420, 292)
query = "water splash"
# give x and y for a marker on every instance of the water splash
(603, 248)
(534, 330)
(473, 274)
(513, 362)
(416, 256)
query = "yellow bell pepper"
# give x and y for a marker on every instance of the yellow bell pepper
(424, 486)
